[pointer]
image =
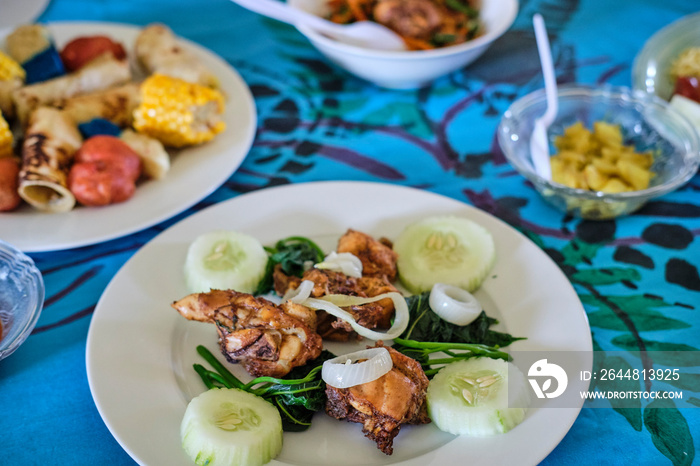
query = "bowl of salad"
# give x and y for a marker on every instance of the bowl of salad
(441, 36)
(669, 66)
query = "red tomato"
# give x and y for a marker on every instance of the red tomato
(95, 184)
(111, 151)
(81, 50)
(688, 86)
(9, 182)
(104, 171)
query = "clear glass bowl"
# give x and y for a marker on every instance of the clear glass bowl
(650, 72)
(21, 297)
(646, 121)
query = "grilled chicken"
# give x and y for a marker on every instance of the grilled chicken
(377, 257)
(384, 405)
(268, 340)
(372, 315)
(412, 18)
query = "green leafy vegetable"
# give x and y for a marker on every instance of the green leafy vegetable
(421, 351)
(291, 254)
(425, 325)
(297, 396)
(462, 7)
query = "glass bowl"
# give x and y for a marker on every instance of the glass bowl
(650, 72)
(647, 122)
(21, 297)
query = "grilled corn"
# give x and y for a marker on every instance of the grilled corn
(10, 69)
(178, 113)
(5, 138)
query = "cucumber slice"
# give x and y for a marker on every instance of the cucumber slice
(227, 426)
(450, 250)
(471, 397)
(225, 260)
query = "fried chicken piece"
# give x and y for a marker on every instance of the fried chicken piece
(372, 315)
(413, 18)
(377, 257)
(267, 339)
(384, 405)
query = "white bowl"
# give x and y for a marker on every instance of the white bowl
(415, 68)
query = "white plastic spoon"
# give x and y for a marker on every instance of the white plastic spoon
(365, 34)
(539, 145)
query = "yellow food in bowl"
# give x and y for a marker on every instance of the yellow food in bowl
(598, 160)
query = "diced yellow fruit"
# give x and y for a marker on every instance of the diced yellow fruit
(604, 166)
(642, 160)
(577, 159)
(594, 178)
(608, 134)
(615, 185)
(636, 176)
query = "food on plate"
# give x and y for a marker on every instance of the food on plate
(454, 304)
(104, 171)
(82, 50)
(373, 315)
(6, 138)
(472, 397)
(599, 160)
(50, 142)
(154, 158)
(12, 77)
(100, 96)
(115, 104)
(444, 249)
(178, 113)
(377, 256)
(360, 367)
(423, 24)
(158, 50)
(101, 73)
(227, 260)
(685, 73)
(227, 426)
(9, 199)
(382, 387)
(385, 404)
(33, 47)
(265, 338)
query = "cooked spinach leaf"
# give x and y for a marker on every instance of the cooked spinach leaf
(291, 254)
(297, 396)
(425, 325)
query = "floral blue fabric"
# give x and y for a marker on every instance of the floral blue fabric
(637, 276)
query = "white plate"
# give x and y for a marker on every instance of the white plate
(140, 351)
(18, 12)
(195, 172)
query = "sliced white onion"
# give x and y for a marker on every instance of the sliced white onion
(332, 304)
(454, 304)
(300, 293)
(344, 262)
(344, 372)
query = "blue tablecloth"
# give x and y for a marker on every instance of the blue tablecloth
(637, 276)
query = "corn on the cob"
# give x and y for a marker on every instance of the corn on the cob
(10, 69)
(5, 138)
(178, 113)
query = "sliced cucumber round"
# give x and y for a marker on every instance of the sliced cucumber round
(471, 397)
(227, 426)
(451, 250)
(225, 260)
